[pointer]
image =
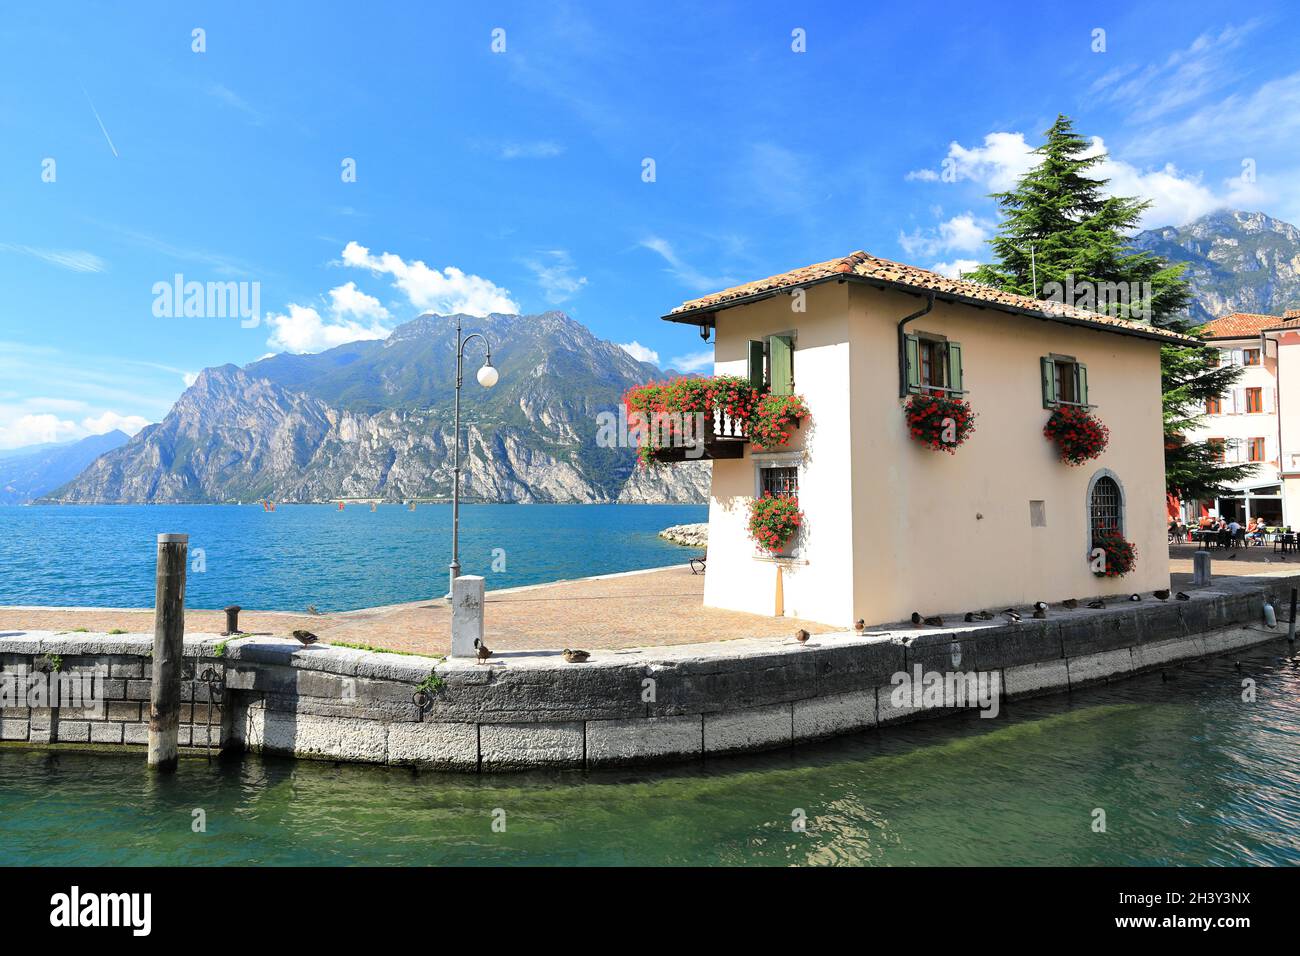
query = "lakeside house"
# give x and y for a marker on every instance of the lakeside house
(890, 525)
(1248, 422)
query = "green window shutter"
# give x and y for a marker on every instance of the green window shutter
(1049, 381)
(781, 351)
(757, 378)
(1083, 383)
(954, 366)
(913, 364)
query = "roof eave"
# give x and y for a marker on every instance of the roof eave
(694, 316)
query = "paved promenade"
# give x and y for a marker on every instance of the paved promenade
(639, 609)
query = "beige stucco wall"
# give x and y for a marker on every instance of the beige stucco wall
(892, 527)
(739, 577)
(920, 540)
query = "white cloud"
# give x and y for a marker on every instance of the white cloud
(303, 329)
(447, 291)
(693, 361)
(353, 316)
(1183, 77)
(683, 271)
(543, 149)
(996, 165)
(223, 94)
(74, 260)
(555, 274)
(1177, 197)
(347, 299)
(35, 430)
(641, 353)
(963, 233)
(954, 269)
(108, 421)
(1267, 119)
(19, 428)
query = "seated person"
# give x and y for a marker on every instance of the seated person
(1256, 533)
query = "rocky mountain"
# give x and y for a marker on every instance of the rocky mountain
(1236, 262)
(27, 473)
(374, 420)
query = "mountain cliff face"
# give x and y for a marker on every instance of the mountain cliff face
(374, 420)
(1236, 262)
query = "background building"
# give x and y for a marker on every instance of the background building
(1250, 422)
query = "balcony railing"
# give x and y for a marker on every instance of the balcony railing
(723, 437)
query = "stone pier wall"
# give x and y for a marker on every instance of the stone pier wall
(531, 709)
(116, 670)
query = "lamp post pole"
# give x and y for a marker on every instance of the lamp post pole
(487, 377)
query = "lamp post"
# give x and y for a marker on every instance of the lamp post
(487, 377)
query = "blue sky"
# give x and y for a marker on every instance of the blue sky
(514, 180)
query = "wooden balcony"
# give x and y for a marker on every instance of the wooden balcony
(724, 437)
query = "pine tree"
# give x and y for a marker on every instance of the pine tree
(1059, 226)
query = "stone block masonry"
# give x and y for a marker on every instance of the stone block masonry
(120, 664)
(685, 702)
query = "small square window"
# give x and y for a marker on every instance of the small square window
(780, 482)
(1038, 514)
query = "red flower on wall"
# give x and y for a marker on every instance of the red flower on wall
(773, 521)
(661, 406)
(1079, 435)
(773, 418)
(940, 422)
(1119, 558)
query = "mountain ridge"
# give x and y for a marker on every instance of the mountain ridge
(373, 419)
(28, 473)
(1236, 262)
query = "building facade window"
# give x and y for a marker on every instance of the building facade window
(1065, 381)
(1105, 506)
(1256, 448)
(779, 481)
(934, 365)
(1254, 400)
(1250, 357)
(1214, 405)
(1216, 445)
(771, 364)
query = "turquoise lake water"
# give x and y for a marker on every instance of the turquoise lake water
(1186, 772)
(103, 556)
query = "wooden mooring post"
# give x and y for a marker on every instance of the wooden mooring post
(168, 648)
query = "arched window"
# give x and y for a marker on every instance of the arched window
(1105, 507)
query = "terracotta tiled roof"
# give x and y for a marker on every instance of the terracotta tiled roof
(867, 267)
(1291, 314)
(1239, 325)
